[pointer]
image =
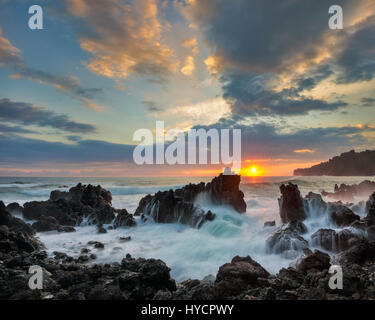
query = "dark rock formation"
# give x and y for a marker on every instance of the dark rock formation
(367, 224)
(348, 192)
(342, 216)
(298, 226)
(239, 275)
(224, 189)
(335, 241)
(124, 219)
(315, 261)
(5, 216)
(347, 164)
(362, 252)
(316, 201)
(166, 207)
(178, 206)
(16, 236)
(287, 241)
(370, 204)
(291, 203)
(46, 224)
(14, 208)
(66, 278)
(70, 208)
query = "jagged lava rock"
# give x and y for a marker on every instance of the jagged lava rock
(70, 208)
(14, 208)
(178, 206)
(335, 241)
(286, 241)
(15, 235)
(342, 216)
(238, 275)
(348, 192)
(316, 261)
(360, 253)
(225, 189)
(166, 207)
(124, 219)
(291, 203)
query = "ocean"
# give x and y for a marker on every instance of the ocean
(190, 253)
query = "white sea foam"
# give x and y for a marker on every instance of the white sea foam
(190, 253)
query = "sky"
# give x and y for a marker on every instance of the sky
(73, 94)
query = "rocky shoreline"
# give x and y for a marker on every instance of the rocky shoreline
(351, 245)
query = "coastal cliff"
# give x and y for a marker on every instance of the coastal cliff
(346, 164)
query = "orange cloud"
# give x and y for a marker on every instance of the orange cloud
(128, 40)
(304, 151)
(189, 66)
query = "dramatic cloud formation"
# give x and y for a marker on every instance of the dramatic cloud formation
(28, 114)
(10, 57)
(263, 140)
(269, 53)
(125, 37)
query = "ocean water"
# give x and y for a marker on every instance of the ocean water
(190, 253)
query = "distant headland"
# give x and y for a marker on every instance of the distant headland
(346, 164)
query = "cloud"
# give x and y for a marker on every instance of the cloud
(124, 37)
(357, 59)
(250, 96)
(268, 55)
(205, 112)
(259, 141)
(13, 129)
(28, 114)
(18, 150)
(189, 66)
(10, 57)
(368, 102)
(9, 54)
(304, 151)
(263, 140)
(151, 106)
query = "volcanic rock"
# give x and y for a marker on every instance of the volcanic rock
(315, 261)
(291, 203)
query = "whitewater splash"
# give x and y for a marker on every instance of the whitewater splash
(189, 252)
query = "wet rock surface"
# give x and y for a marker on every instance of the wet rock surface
(335, 241)
(291, 203)
(66, 277)
(342, 216)
(286, 241)
(178, 205)
(124, 219)
(82, 202)
(346, 192)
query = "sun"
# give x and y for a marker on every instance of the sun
(251, 171)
